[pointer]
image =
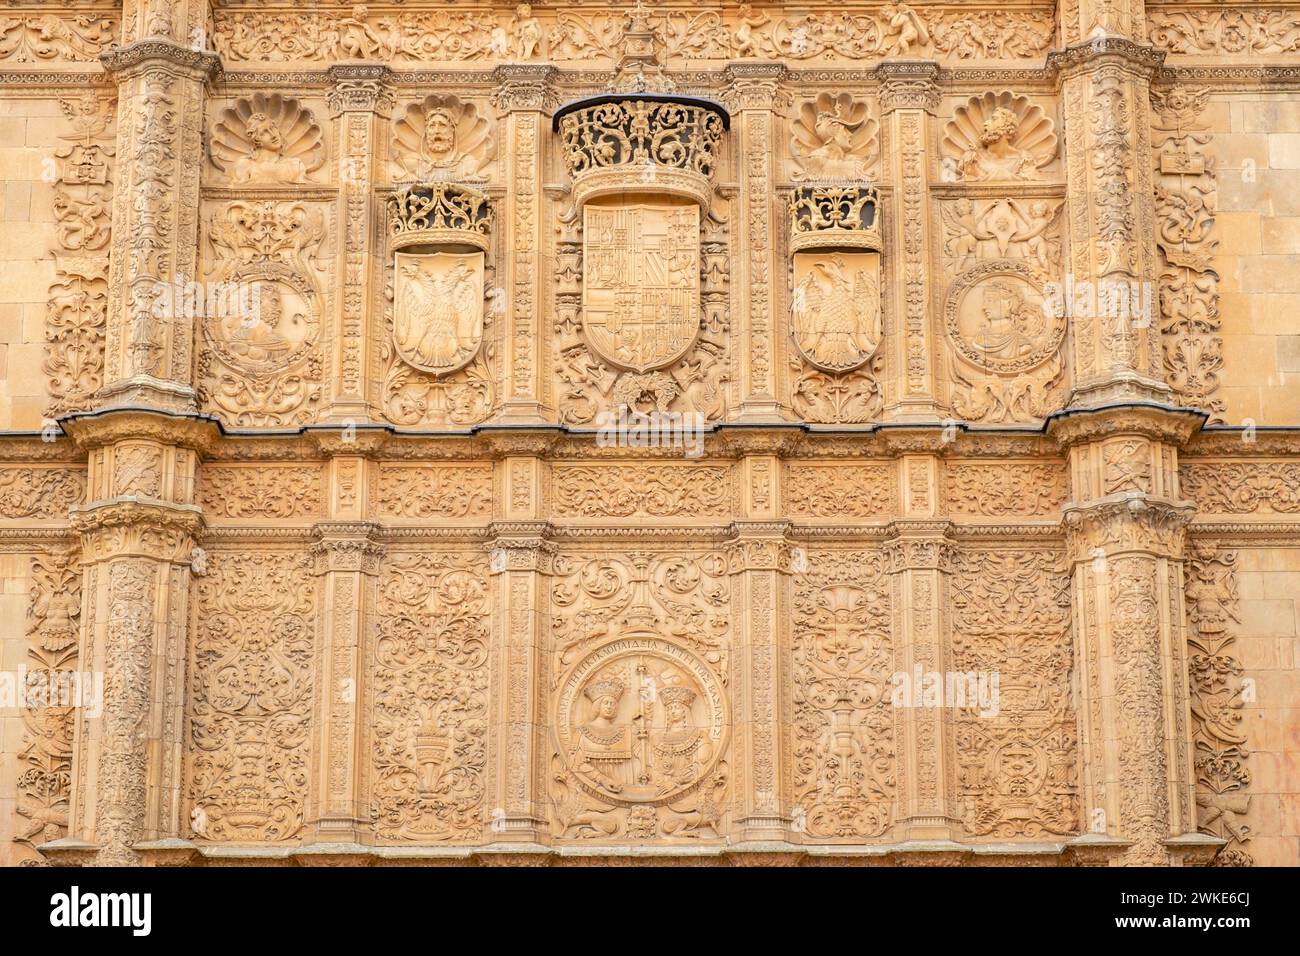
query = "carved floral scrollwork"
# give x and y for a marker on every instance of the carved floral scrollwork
(1017, 762)
(251, 695)
(1220, 759)
(844, 771)
(262, 364)
(1186, 194)
(45, 758)
(430, 697)
(47, 38)
(638, 669)
(267, 138)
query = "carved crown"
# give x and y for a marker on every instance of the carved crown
(834, 217)
(645, 142)
(605, 687)
(677, 695)
(439, 214)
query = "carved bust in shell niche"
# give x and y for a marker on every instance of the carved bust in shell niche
(267, 139)
(997, 136)
(442, 139)
(833, 138)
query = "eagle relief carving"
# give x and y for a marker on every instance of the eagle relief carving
(438, 314)
(835, 313)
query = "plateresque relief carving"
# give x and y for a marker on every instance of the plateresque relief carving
(262, 313)
(267, 139)
(997, 136)
(638, 677)
(834, 137)
(250, 701)
(429, 700)
(442, 138)
(1006, 363)
(842, 729)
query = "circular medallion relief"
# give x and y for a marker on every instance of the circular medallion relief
(266, 319)
(997, 320)
(640, 720)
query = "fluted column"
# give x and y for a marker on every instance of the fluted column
(754, 96)
(160, 70)
(524, 96)
(360, 100)
(1125, 524)
(139, 534)
(908, 95)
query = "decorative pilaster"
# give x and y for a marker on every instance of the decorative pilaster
(1125, 525)
(524, 96)
(908, 94)
(521, 568)
(1105, 89)
(360, 100)
(138, 536)
(920, 561)
(149, 345)
(759, 559)
(754, 96)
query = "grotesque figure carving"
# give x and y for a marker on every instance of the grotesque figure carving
(442, 138)
(267, 139)
(834, 138)
(997, 136)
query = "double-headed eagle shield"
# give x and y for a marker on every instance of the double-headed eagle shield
(438, 309)
(835, 310)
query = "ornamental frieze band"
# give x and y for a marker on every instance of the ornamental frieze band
(850, 433)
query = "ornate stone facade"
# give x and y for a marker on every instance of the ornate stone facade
(865, 433)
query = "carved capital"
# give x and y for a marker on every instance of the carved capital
(919, 546)
(908, 84)
(1124, 523)
(521, 546)
(1164, 423)
(128, 528)
(755, 86)
(97, 429)
(1137, 58)
(524, 86)
(760, 546)
(360, 88)
(123, 61)
(346, 546)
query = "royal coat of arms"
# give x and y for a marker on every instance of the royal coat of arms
(641, 283)
(835, 309)
(438, 309)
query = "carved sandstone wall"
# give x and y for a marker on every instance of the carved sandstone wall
(357, 571)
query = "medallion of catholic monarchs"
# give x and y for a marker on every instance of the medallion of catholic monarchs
(721, 432)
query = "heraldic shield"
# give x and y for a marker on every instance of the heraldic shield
(835, 310)
(641, 287)
(438, 309)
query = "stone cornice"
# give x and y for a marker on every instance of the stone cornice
(108, 426)
(1165, 423)
(1138, 58)
(755, 86)
(122, 60)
